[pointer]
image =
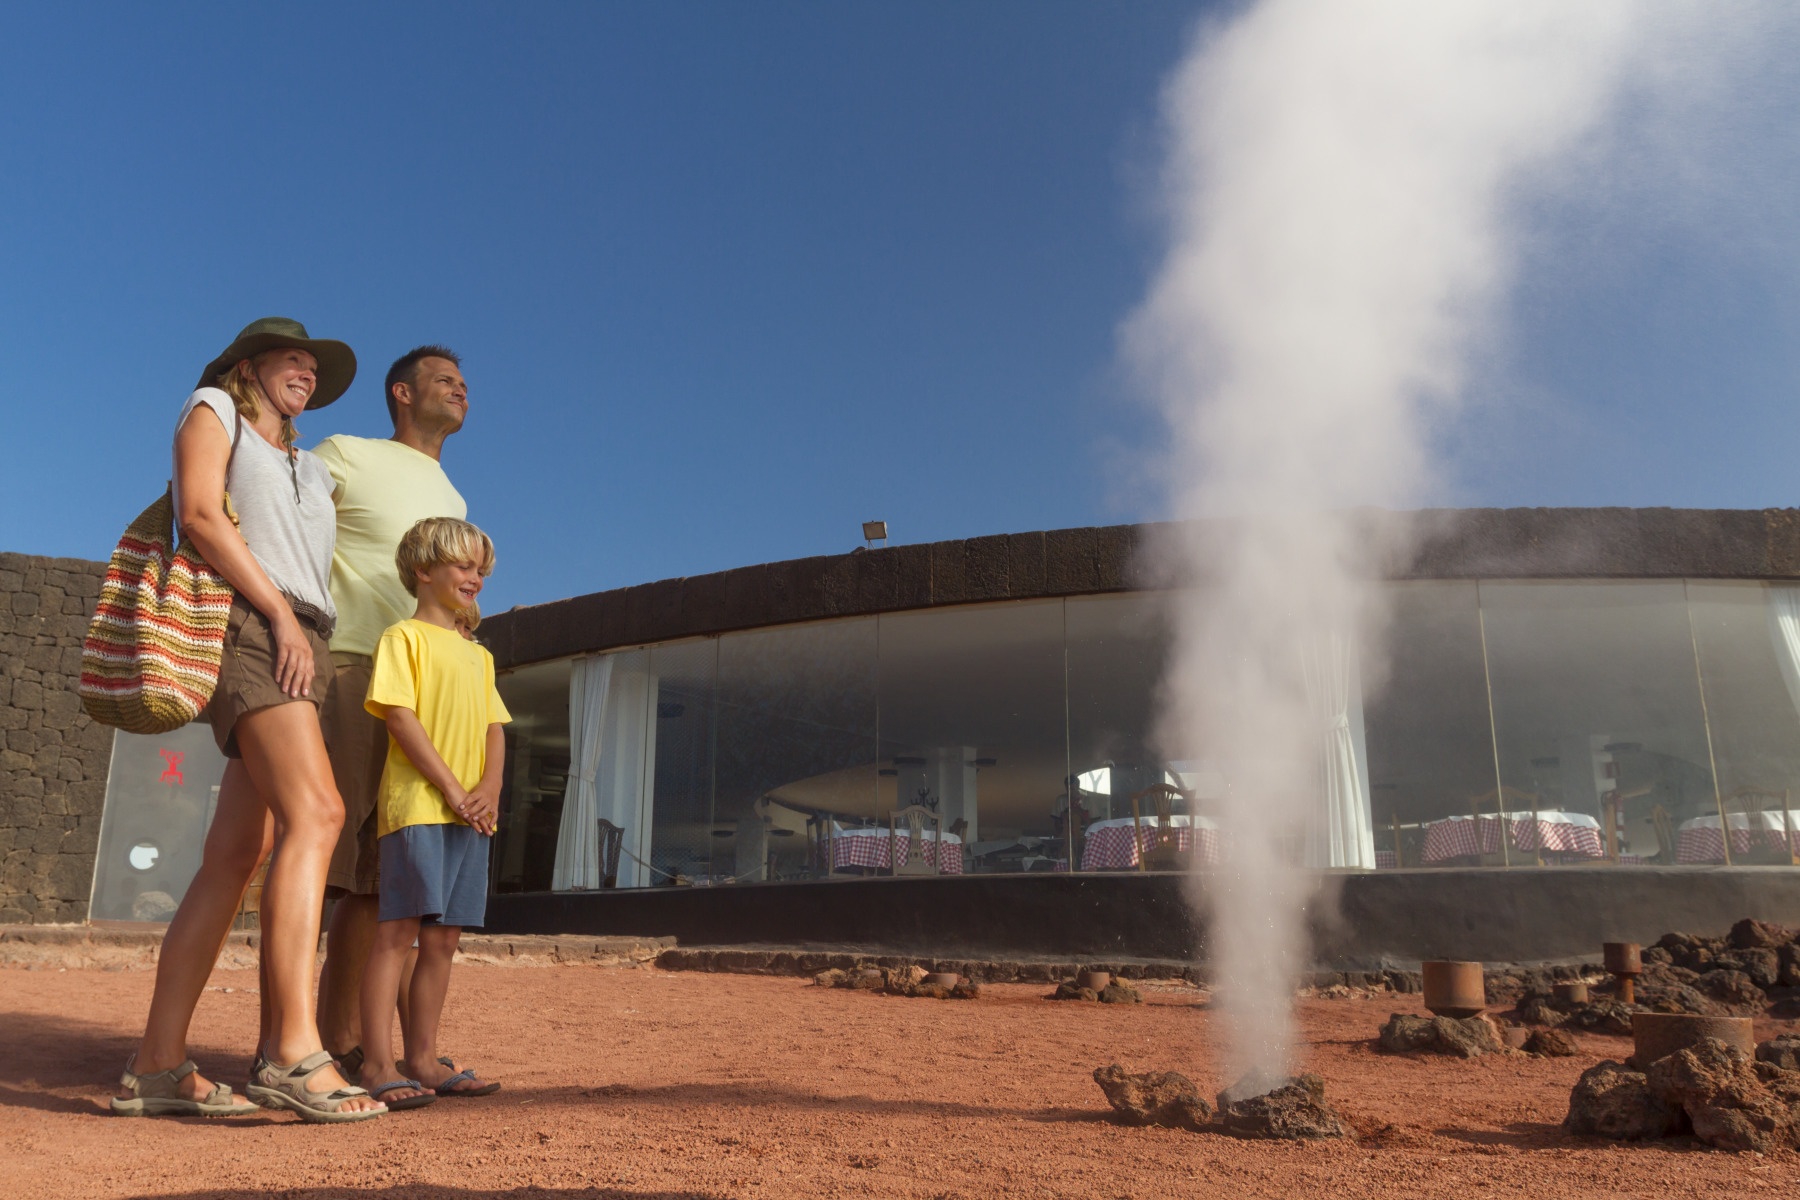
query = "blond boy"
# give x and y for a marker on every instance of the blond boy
(440, 795)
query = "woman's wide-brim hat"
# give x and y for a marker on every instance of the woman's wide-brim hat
(337, 362)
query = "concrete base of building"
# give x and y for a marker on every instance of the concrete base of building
(1356, 920)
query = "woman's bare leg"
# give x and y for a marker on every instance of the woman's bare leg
(241, 834)
(285, 755)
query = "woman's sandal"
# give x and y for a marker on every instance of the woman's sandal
(158, 1094)
(405, 1102)
(284, 1087)
(446, 1089)
(350, 1062)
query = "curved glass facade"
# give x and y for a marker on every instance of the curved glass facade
(1516, 723)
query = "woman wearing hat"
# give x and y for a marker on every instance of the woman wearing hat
(235, 437)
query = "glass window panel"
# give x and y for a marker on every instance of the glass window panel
(1749, 642)
(973, 725)
(796, 744)
(682, 841)
(1118, 646)
(1598, 715)
(1426, 724)
(160, 795)
(537, 776)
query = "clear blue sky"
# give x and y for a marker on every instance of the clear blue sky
(731, 278)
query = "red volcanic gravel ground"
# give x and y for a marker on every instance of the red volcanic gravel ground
(644, 1083)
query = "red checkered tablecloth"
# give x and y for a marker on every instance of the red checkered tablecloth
(1556, 832)
(1699, 840)
(1386, 860)
(871, 848)
(1111, 844)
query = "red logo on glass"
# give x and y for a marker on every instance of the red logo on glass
(173, 759)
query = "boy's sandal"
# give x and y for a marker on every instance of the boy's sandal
(447, 1087)
(273, 1085)
(350, 1062)
(159, 1095)
(405, 1102)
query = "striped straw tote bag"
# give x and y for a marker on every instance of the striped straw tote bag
(151, 658)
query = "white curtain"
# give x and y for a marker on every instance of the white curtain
(1342, 834)
(578, 838)
(1784, 631)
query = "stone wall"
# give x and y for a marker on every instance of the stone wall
(53, 759)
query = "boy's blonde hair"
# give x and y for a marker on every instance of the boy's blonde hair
(439, 540)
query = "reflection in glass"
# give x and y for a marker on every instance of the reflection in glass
(1748, 638)
(1117, 647)
(796, 745)
(1598, 716)
(161, 792)
(1430, 744)
(973, 728)
(537, 776)
(683, 845)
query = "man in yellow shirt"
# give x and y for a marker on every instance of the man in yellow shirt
(381, 487)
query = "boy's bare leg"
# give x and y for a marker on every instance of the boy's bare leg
(430, 984)
(285, 755)
(236, 844)
(405, 1002)
(347, 943)
(380, 990)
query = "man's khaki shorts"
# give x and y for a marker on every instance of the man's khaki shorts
(357, 743)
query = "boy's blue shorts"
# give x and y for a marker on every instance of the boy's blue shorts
(438, 873)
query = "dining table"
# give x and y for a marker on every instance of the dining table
(877, 848)
(1120, 842)
(1699, 841)
(1567, 834)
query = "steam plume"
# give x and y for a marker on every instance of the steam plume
(1337, 192)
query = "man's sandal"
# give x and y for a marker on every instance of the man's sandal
(158, 1094)
(273, 1085)
(350, 1062)
(405, 1102)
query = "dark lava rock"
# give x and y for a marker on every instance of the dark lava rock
(1154, 1098)
(1782, 1050)
(1762, 966)
(1551, 1043)
(1470, 1037)
(1751, 934)
(1655, 956)
(1295, 1111)
(1541, 1010)
(1068, 991)
(1731, 987)
(1611, 1100)
(1789, 958)
(1727, 1101)
(1602, 1016)
(1405, 982)
(1120, 992)
(1679, 999)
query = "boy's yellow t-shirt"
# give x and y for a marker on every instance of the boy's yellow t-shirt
(449, 682)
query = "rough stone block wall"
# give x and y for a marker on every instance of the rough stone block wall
(53, 758)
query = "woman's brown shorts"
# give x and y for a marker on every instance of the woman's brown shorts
(247, 673)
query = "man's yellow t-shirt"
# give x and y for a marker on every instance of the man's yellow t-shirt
(449, 682)
(381, 488)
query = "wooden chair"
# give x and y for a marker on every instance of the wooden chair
(612, 839)
(1665, 835)
(915, 815)
(1164, 852)
(1752, 802)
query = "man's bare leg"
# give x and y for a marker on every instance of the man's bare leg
(347, 943)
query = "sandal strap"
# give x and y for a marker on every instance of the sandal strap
(454, 1079)
(174, 1075)
(382, 1089)
(221, 1094)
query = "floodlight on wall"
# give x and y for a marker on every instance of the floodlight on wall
(874, 531)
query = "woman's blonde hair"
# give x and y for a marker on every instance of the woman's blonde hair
(470, 617)
(439, 540)
(246, 394)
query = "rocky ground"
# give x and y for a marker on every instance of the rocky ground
(651, 1084)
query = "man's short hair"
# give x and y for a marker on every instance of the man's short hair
(438, 540)
(406, 370)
